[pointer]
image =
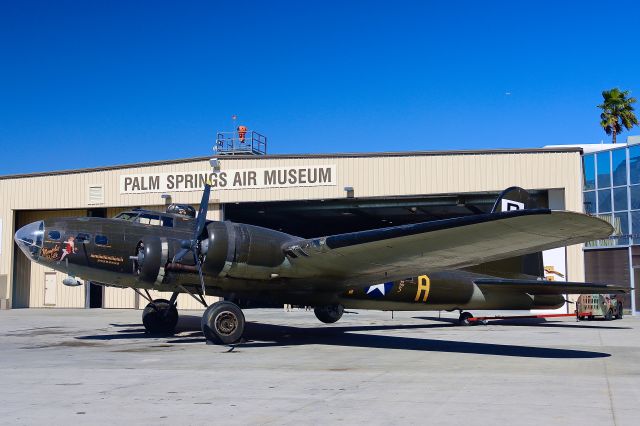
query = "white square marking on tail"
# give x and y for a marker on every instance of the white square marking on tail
(508, 205)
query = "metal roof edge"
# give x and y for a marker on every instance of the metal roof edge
(284, 156)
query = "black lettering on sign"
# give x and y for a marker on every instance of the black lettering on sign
(127, 183)
(269, 177)
(223, 179)
(188, 181)
(302, 175)
(179, 180)
(312, 176)
(292, 176)
(237, 179)
(170, 183)
(251, 178)
(136, 184)
(325, 175)
(154, 182)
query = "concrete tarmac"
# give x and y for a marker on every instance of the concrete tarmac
(99, 367)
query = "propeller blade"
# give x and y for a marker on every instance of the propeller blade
(202, 211)
(199, 266)
(181, 254)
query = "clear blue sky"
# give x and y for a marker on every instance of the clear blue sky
(92, 83)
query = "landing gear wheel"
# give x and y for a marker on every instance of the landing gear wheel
(464, 318)
(329, 314)
(223, 323)
(160, 317)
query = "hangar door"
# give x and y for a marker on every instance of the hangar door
(315, 218)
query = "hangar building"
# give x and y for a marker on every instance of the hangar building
(306, 195)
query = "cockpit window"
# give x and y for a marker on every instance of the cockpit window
(146, 218)
(149, 219)
(53, 235)
(128, 216)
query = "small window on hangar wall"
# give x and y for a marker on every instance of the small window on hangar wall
(95, 194)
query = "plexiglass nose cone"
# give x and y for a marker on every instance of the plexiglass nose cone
(30, 237)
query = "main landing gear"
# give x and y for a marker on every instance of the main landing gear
(160, 316)
(222, 323)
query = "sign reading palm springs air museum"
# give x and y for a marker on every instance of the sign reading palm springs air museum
(273, 177)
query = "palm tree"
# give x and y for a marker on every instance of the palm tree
(617, 112)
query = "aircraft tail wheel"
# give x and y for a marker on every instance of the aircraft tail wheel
(329, 314)
(223, 323)
(160, 317)
(464, 318)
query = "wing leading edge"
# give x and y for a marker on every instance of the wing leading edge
(401, 251)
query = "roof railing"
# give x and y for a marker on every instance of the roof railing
(241, 143)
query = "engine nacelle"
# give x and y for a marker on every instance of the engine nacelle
(244, 247)
(151, 257)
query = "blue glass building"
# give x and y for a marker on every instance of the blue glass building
(611, 189)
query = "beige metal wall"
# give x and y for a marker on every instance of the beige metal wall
(370, 176)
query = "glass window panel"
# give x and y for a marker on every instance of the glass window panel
(620, 199)
(624, 228)
(590, 202)
(604, 169)
(635, 226)
(149, 219)
(624, 222)
(604, 201)
(619, 163)
(589, 168)
(634, 164)
(635, 196)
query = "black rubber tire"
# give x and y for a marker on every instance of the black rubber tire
(329, 314)
(609, 315)
(160, 317)
(223, 323)
(620, 313)
(464, 319)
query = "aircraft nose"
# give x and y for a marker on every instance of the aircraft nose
(30, 237)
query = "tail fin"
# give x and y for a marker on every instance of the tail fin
(514, 198)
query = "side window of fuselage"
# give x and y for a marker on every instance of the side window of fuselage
(82, 238)
(54, 235)
(102, 240)
(167, 221)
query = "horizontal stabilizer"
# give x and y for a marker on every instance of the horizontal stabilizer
(539, 287)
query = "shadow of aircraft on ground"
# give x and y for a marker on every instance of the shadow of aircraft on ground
(258, 335)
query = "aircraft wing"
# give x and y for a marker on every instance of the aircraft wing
(408, 250)
(540, 287)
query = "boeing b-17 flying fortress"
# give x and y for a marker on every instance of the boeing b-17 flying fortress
(483, 261)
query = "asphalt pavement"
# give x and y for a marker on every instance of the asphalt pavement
(99, 367)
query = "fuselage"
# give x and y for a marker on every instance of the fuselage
(241, 261)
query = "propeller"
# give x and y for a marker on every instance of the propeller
(193, 245)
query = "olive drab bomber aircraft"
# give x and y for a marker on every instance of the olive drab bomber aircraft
(483, 261)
